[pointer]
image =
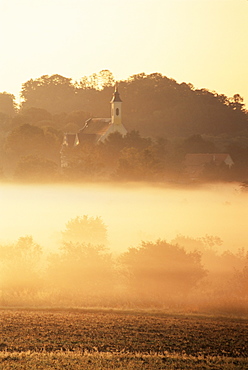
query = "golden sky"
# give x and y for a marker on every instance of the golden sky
(204, 42)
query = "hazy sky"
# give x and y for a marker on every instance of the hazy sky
(204, 42)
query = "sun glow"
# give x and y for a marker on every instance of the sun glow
(77, 38)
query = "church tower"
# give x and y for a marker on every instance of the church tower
(116, 103)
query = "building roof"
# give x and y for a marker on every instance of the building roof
(198, 159)
(96, 126)
(70, 140)
(94, 129)
(195, 163)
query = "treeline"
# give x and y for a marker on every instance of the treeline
(184, 274)
(154, 106)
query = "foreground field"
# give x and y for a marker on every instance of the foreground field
(80, 339)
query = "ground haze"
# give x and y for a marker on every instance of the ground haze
(131, 212)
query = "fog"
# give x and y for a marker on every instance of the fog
(131, 213)
(124, 245)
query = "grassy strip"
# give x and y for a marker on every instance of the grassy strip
(115, 360)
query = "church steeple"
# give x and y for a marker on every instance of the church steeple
(116, 95)
(116, 105)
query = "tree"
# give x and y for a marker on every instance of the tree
(5, 122)
(225, 284)
(160, 272)
(85, 229)
(98, 81)
(133, 140)
(77, 117)
(53, 93)
(7, 104)
(35, 169)
(84, 163)
(34, 115)
(140, 165)
(20, 270)
(196, 144)
(82, 274)
(241, 283)
(26, 140)
(236, 102)
(111, 148)
(106, 78)
(2, 177)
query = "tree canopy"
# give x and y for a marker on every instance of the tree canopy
(161, 270)
(20, 264)
(155, 105)
(7, 104)
(85, 229)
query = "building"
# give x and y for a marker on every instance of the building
(196, 163)
(98, 129)
(95, 130)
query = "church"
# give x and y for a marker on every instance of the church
(98, 129)
(95, 130)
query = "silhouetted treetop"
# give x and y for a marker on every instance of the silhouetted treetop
(53, 93)
(7, 104)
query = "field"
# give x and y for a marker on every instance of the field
(98, 339)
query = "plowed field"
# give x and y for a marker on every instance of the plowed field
(65, 339)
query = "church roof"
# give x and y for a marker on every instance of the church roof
(94, 129)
